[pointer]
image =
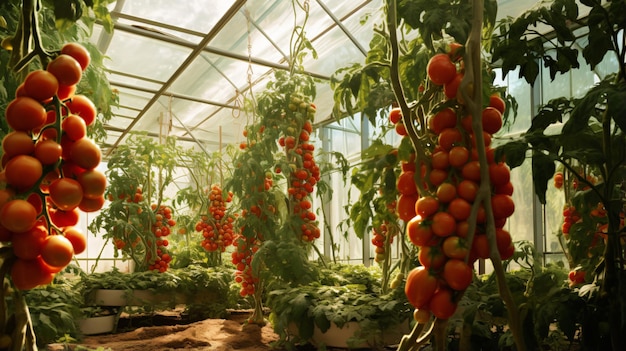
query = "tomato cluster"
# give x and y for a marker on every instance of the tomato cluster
(451, 175)
(217, 229)
(305, 173)
(570, 216)
(382, 237)
(48, 169)
(161, 228)
(245, 248)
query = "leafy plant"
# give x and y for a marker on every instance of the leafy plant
(345, 293)
(589, 143)
(136, 219)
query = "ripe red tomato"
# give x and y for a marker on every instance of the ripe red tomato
(441, 69)
(27, 245)
(66, 69)
(503, 206)
(420, 286)
(480, 246)
(467, 190)
(497, 102)
(78, 52)
(28, 274)
(492, 120)
(426, 206)
(450, 89)
(74, 127)
(77, 238)
(406, 206)
(419, 231)
(17, 143)
(66, 92)
(499, 174)
(406, 183)
(442, 304)
(25, 114)
(48, 152)
(459, 209)
(62, 218)
(431, 257)
(449, 138)
(400, 129)
(437, 176)
(458, 156)
(471, 171)
(57, 251)
(94, 183)
(41, 85)
(443, 224)
(503, 239)
(446, 192)
(395, 115)
(81, 105)
(18, 215)
(85, 153)
(91, 205)
(506, 189)
(23, 171)
(66, 193)
(441, 120)
(455, 246)
(440, 160)
(457, 274)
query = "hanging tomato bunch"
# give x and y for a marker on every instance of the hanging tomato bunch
(48, 169)
(245, 248)
(450, 176)
(161, 228)
(304, 172)
(217, 229)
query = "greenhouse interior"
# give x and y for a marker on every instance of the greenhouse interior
(313, 175)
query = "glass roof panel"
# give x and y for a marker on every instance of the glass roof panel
(124, 80)
(234, 38)
(215, 78)
(190, 112)
(144, 57)
(133, 98)
(196, 15)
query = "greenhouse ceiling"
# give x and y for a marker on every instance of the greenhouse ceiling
(184, 70)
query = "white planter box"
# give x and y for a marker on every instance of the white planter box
(338, 337)
(97, 325)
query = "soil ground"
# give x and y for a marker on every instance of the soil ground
(169, 332)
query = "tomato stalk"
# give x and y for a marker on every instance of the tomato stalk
(473, 75)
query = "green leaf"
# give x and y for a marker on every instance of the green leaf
(514, 153)
(543, 168)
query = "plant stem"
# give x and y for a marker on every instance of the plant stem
(473, 76)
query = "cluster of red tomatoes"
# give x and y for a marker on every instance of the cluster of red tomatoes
(305, 173)
(48, 169)
(217, 229)
(381, 235)
(161, 228)
(439, 221)
(245, 248)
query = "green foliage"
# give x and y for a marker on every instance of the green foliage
(345, 293)
(54, 309)
(435, 20)
(545, 302)
(143, 163)
(375, 179)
